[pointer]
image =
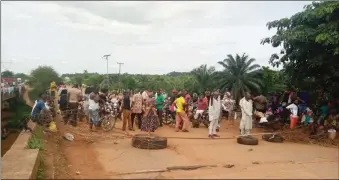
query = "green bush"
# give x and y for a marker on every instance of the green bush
(20, 109)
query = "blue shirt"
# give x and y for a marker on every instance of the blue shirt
(38, 107)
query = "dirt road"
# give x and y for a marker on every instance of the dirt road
(106, 154)
(99, 154)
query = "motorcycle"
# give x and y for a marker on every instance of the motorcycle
(201, 119)
(109, 116)
(167, 115)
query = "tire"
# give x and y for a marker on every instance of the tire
(247, 140)
(277, 138)
(167, 119)
(144, 141)
(108, 123)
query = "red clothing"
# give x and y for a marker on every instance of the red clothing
(188, 96)
(202, 104)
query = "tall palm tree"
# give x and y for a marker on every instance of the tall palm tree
(240, 75)
(203, 76)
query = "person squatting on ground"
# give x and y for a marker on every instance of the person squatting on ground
(159, 104)
(150, 121)
(246, 106)
(93, 108)
(214, 110)
(74, 96)
(181, 115)
(137, 103)
(126, 112)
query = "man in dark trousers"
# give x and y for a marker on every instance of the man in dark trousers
(126, 112)
(73, 97)
(159, 104)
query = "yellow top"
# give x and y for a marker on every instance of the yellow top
(180, 104)
(53, 85)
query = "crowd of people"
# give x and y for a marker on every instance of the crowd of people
(147, 108)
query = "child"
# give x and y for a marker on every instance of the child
(294, 112)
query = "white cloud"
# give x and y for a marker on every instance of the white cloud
(148, 36)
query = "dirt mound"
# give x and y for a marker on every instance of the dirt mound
(301, 134)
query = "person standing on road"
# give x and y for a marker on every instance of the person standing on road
(93, 108)
(181, 115)
(159, 104)
(74, 96)
(145, 94)
(126, 112)
(228, 106)
(137, 103)
(246, 106)
(149, 122)
(214, 110)
(172, 105)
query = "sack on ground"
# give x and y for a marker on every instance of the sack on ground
(52, 126)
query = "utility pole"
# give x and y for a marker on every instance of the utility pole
(119, 71)
(5, 62)
(106, 57)
(120, 66)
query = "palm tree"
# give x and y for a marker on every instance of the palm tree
(203, 76)
(240, 75)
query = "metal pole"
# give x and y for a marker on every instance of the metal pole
(107, 66)
(119, 72)
(106, 56)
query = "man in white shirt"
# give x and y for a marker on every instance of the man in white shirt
(246, 106)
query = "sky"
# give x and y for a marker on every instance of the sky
(149, 37)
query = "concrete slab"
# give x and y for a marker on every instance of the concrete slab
(20, 164)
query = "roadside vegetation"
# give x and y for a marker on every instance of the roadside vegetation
(37, 142)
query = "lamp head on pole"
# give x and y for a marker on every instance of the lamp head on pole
(106, 56)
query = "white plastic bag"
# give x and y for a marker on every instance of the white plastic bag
(263, 120)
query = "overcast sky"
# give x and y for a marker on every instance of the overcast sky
(149, 37)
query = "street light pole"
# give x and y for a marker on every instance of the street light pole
(120, 66)
(119, 71)
(106, 57)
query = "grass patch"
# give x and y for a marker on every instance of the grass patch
(36, 141)
(41, 172)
